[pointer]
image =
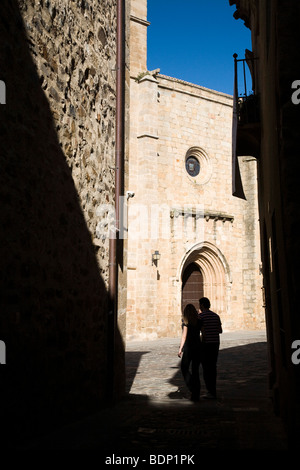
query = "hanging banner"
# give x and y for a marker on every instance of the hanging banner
(237, 186)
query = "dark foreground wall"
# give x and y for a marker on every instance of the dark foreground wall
(54, 303)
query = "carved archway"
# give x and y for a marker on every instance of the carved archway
(216, 274)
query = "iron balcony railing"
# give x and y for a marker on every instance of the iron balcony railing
(246, 101)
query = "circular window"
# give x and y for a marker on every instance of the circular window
(198, 165)
(192, 166)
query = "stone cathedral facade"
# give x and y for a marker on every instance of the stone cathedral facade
(188, 236)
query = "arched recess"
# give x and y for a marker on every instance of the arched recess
(215, 272)
(191, 285)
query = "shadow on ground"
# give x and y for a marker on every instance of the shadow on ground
(242, 372)
(143, 424)
(133, 359)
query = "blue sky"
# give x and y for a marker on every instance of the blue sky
(194, 40)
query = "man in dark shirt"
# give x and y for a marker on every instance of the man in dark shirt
(211, 328)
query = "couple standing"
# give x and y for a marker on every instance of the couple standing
(194, 351)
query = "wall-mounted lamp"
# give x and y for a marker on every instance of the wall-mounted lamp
(155, 257)
(129, 194)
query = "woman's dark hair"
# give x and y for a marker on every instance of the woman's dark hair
(190, 315)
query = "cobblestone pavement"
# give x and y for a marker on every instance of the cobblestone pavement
(156, 417)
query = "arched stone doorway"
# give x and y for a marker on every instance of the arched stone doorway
(214, 280)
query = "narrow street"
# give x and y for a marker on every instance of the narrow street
(156, 416)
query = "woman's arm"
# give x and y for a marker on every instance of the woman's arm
(183, 338)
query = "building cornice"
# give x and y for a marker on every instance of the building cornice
(208, 94)
(207, 215)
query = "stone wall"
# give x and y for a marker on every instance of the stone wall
(253, 302)
(73, 46)
(57, 156)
